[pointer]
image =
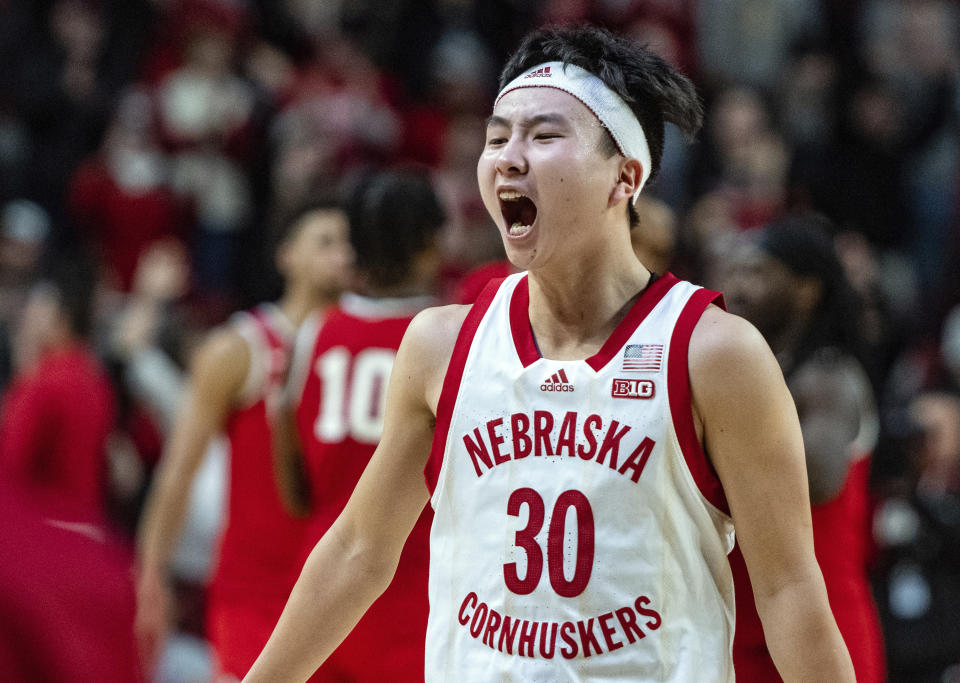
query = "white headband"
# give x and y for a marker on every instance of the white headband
(605, 104)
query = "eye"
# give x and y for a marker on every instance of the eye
(546, 136)
(493, 142)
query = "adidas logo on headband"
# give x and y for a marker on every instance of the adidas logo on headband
(542, 72)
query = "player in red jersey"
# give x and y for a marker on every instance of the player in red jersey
(789, 283)
(334, 417)
(235, 373)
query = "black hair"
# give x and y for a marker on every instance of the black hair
(394, 215)
(293, 219)
(654, 90)
(804, 244)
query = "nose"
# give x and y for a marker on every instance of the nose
(512, 160)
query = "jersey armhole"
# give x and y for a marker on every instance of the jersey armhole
(250, 330)
(303, 345)
(451, 381)
(681, 399)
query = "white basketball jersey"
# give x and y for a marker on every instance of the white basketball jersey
(579, 530)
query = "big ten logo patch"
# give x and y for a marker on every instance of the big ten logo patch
(633, 388)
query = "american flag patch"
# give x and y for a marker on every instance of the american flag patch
(643, 357)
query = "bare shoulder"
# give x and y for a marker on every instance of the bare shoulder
(724, 344)
(733, 372)
(222, 361)
(428, 346)
(433, 333)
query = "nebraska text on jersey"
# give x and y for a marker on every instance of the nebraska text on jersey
(541, 434)
(577, 536)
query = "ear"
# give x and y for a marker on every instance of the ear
(628, 180)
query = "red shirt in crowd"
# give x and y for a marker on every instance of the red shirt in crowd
(54, 424)
(66, 599)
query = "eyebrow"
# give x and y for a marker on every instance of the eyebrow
(528, 122)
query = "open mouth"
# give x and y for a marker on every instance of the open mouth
(518, 211)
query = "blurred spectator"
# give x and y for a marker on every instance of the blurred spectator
(745, 161)
(807, 103)
(917, 527)
(887, 290)
(900, 165)
(58, 411)
(468, 237)
(748, 42)
(66, 599)
(340, 118)
(121, 198)
(206, 117)
(24, 233)
(148, 335)
(67, 64)
(790, 284)
(202, 101)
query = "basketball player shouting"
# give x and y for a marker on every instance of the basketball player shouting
(597, 432)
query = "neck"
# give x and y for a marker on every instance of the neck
(298, 302)
(400, 290)
(574, 308)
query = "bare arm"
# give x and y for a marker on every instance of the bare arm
(751, 432)
(830, 393)
(219, 371)
(355, 560)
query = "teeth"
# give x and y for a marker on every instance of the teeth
(510, 195)
(518, 228)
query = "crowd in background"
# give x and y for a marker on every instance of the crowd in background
(161, 140)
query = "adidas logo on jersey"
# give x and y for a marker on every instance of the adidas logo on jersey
(557, 382)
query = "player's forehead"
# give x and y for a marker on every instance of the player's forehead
(326, 221)
(528, 106)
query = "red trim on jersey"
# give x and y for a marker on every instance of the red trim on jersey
(527, 347)
(648, 298)
(263, 319)
(681, 400)
(451, 381)
(520, 324)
